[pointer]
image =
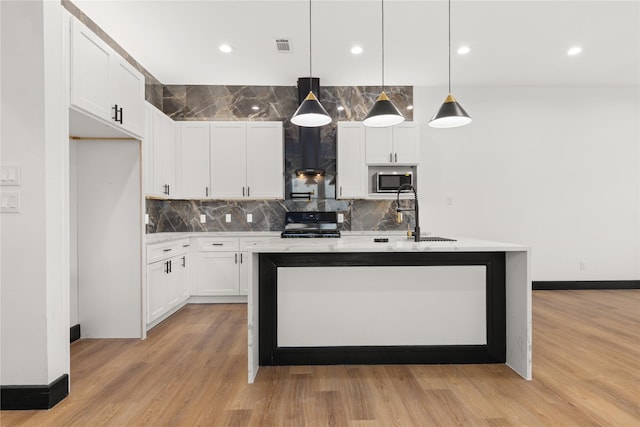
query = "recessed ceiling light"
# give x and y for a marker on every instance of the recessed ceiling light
(463, 50)
(574, 50)
(255, 108)
(356, 50)
(340, 108)
(409, 107)
(226, 48)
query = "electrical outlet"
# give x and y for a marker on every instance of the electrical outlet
(583, 265)
(249, 217)
(203, 219)
(340, 218)
(227, 218)
(449, 201)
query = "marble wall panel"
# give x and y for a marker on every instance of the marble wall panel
(268, 215)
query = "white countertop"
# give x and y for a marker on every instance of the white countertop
(395, 244)
(351, 241)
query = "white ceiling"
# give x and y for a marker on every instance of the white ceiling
(512, 42)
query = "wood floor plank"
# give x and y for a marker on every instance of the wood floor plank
(192, 370)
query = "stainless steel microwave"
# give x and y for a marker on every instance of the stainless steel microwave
(389, 182)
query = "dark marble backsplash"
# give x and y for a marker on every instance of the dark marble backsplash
(184, 215)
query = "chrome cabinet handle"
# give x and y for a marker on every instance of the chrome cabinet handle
(241, 258)
(184, 261)
(248, 191)
(242, 191)
(166, 250)
(217, 244)
(236, 258)
(396, 155)
(206, 191)
(341, 191)
(390, 157)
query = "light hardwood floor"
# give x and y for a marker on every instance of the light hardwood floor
(192, 371)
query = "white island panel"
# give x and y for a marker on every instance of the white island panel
(364, 306)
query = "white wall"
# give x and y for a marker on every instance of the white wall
(557, 168)
(34, 290)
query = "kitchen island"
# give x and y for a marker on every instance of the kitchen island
(351, 300)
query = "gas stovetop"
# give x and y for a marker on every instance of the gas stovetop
(310, 225)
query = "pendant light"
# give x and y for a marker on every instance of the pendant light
(451, 114)
(310, 113)
(383, 113)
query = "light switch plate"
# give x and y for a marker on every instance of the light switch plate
(10, 201)
(227, 217)
(203, 219)
(249, 217)
(10, 174)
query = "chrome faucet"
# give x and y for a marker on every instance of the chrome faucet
(399, 210)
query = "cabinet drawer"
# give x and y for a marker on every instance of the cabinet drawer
(165, 250)
(247, 242)
(217, 244)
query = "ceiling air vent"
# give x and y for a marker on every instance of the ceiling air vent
(282, 45)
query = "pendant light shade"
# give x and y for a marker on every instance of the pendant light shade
(383, 113)
(310, 113)
(451, 114)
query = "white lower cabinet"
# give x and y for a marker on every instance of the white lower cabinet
(221, 266)
(167, 277)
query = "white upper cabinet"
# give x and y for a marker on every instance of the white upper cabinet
(90, 72)
(228, 160)
(193, 139)
(247, 160)
(103, 84)
(351, 170)
(127, 95)
(159, 153)
(393, 145)
(265, 160)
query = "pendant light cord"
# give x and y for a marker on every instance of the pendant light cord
(310, 72)
(382, 45)
(449, 46)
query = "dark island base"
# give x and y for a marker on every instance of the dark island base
(493, 352)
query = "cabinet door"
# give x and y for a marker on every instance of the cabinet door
(89, 72)
(406, 143)
(228, 160)
(244, 273)
(378, 143)
(148, 162)
(216, 274)
(167, 136)
(351, 170)
(157, 277)
(194, 160)
(173, 291)
(265, 160)
(127, 93)
(183, 277)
